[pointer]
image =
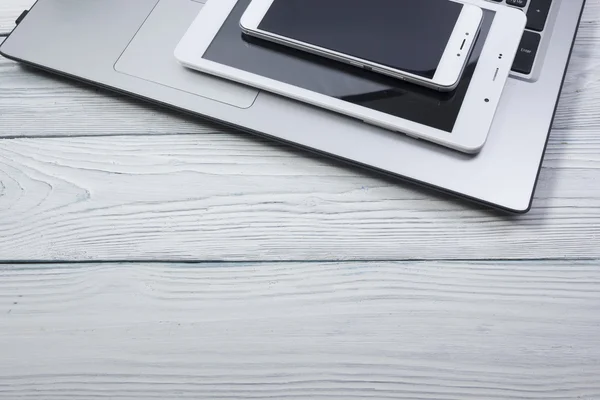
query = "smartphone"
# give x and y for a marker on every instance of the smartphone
(426, 42)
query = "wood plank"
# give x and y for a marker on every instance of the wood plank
(39, 104)
(301, 331)
(9, 11)
(209, 197)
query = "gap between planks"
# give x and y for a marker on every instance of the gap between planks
(45, 263)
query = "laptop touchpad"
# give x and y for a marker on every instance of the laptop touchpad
(149, 56)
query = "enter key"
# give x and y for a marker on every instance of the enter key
(526, 54)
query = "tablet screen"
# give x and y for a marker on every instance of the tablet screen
(368, 89)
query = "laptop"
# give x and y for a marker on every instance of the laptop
(127, 46)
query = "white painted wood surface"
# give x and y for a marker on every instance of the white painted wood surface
(10, 11)
(209, 197)
(432, 330)
(439, 330)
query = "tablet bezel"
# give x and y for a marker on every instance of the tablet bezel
(475, 116)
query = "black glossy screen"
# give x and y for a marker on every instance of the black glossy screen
(408, 35)
(355, 85)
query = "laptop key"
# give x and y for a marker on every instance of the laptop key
(537, 15)
(526, 54)
(517, 3)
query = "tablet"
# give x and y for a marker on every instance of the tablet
(460, 119)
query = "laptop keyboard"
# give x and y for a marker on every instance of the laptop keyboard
(537, 17)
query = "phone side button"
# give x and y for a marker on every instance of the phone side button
(383, 72)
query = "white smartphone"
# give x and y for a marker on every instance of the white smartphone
(460, 119)
(426, 42)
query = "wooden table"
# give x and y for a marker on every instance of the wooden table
(152, 255)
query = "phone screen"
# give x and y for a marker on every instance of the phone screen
(406, 35)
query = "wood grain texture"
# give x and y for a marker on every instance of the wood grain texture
(9, 11)
(40, 104)
(207, 197)
(301, 331)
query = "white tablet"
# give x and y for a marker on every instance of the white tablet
(460, 119)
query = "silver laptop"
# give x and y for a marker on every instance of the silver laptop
(128, 46)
